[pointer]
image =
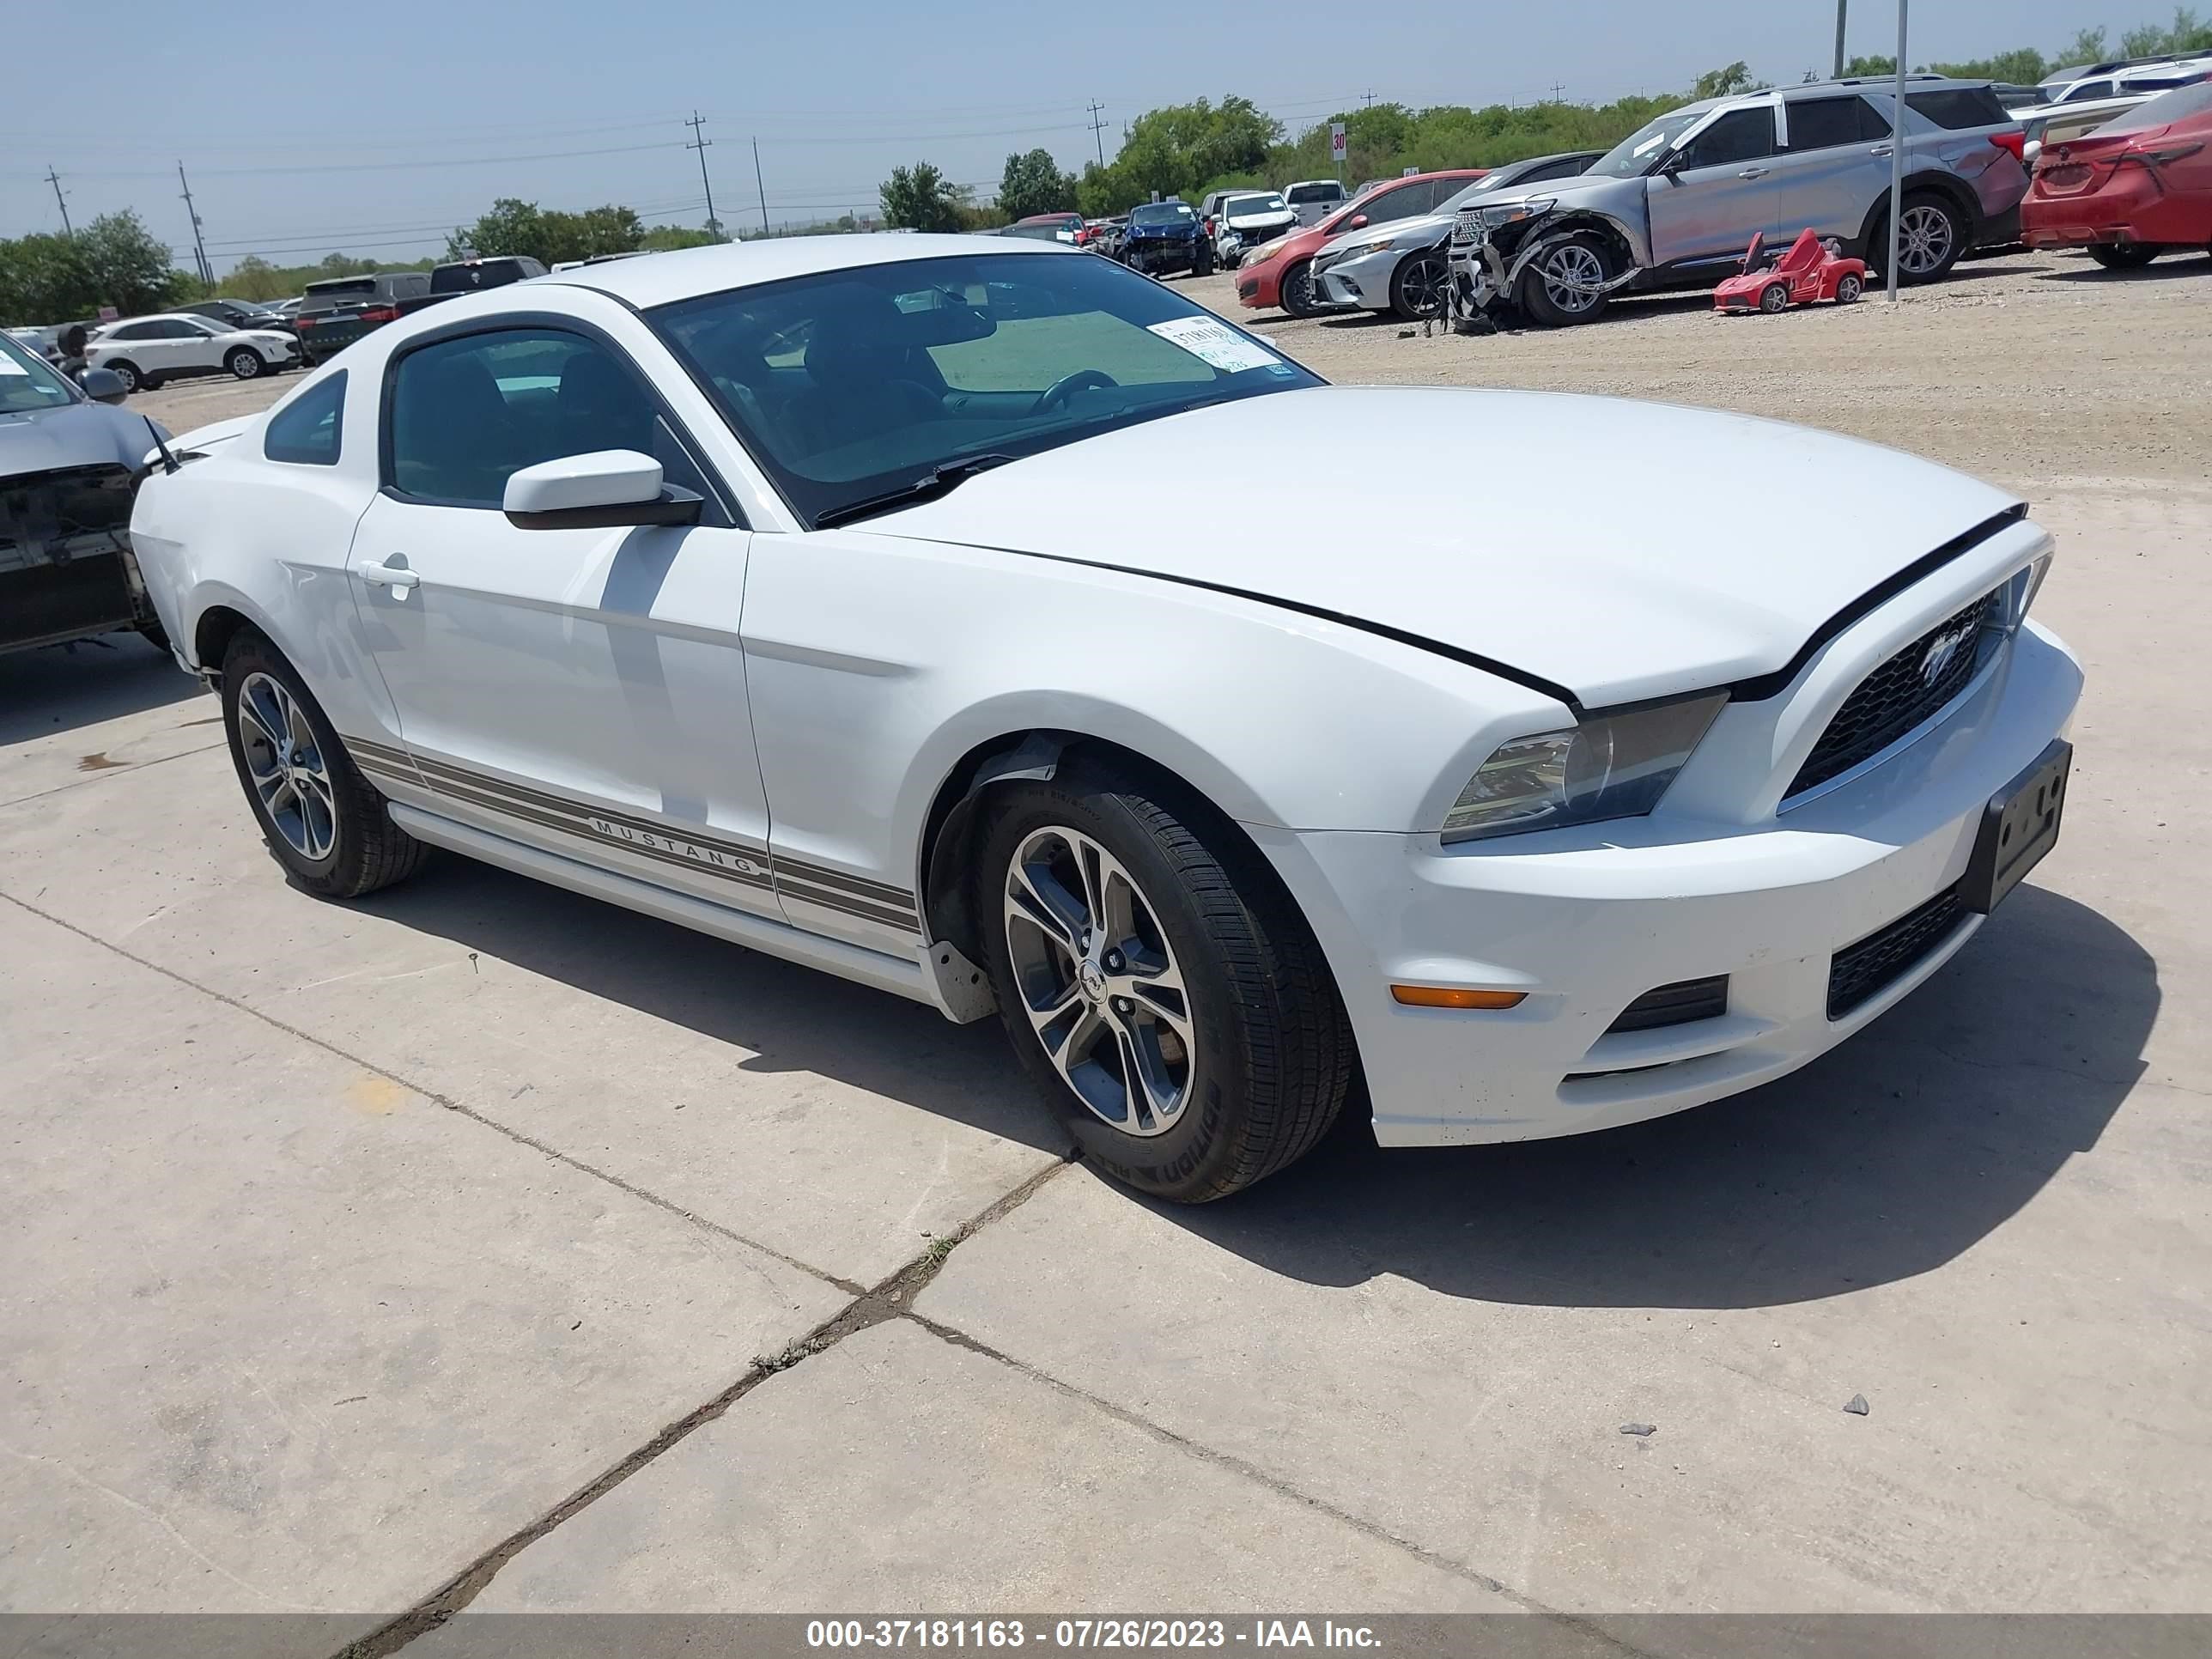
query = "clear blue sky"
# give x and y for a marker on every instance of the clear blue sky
(370, 127)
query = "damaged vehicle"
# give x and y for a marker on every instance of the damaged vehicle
(69, 469)
(1247, 221)
(1674, 203)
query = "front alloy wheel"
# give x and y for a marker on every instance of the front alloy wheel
(1099, 980)
(285, 769)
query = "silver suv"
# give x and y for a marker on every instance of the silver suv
(1675, 203)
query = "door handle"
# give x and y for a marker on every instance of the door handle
(1882, 150)
(1753, 173)
(397, 577)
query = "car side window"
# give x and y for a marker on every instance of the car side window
(1388, 206)
(2082, 91)
(462, 415)
(310, 429)
(132, 331)
(1825, 123)
(174, 330)
(1740, 135)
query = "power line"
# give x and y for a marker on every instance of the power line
(700, 142)
(387, 167)
(54, 178)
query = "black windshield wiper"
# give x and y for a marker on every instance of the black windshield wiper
(938, 481)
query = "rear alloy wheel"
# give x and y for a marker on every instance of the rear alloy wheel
(1774, 298)
(1849, 288)
(1158, 984)
(1931, 235)
(1297, 291)
(1417, 286)
(1566, 285)
(246, 364)
(2123, 256)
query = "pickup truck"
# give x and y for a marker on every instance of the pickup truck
(341, 309)
(450, 281)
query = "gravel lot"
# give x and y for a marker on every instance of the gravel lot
(479, 1245)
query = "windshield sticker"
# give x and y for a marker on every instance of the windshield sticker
(1650, 144)
(10, 366)
(1216, 344)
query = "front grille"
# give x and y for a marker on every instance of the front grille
(1467, 225)
(51, 517)
(1674, 1005)
(1862, 971)
(1899, 695)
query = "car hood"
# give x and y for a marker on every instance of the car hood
(70, 435)
(1619, 551)
(1405, 232)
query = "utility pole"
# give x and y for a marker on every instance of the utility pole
(1098, 128)
(1842, 7)
(759, 184)
(199, 247)
(1557, 91)
(699, 141)
(1897, 158)
(1367, 98)
(54, 178)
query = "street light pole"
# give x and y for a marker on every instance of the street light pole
(1897, 161)
(1842, 6)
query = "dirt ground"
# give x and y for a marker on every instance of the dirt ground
(2023, 368)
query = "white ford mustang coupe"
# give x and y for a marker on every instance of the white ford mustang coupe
(851, 598)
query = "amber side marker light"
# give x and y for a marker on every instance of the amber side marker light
(1431, 996)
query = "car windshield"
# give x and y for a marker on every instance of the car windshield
(26, 384)
(1634, 154)
(1241, 207)
(851, 385)
(1160, 213)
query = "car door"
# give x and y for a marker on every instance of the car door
(1717, 192)
(198, 346)
(1833, 165)
(581, 691)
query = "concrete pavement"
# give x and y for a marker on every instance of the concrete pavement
(462, 1248)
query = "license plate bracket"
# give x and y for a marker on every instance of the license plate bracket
(2019, 826)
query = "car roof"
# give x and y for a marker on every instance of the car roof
(685, 273)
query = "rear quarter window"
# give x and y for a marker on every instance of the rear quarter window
(1958, 107)
(310, 430)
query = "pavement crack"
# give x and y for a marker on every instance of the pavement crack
(1274, 1483)
(890, 1299)
(99, 774)
(436, 1098)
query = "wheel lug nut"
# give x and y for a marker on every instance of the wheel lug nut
(1123, 1005)
(1113, 962)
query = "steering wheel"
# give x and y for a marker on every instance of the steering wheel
(1084, 380)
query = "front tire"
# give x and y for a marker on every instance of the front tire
(325, 823)
(1158, 984)
(1849, 288)
(1297, 291)
(1774, 298)
(2123, 256)
(1417, 286)
(1555, 289)
(245, 363)
(127, 371)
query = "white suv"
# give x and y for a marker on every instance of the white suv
(147, 350)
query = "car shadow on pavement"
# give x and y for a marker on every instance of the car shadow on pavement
(791, 1019)
(2167, 269)
(1885, 1158)
(62, 688)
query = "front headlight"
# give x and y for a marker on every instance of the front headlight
(1260, 256)
(1610, 766)
(1380, 244)
(1514, 212)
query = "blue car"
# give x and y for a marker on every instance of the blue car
(1166, 236)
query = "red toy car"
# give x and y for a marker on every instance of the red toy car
(1807, 272)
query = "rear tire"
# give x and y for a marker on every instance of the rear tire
(245, 363)
(1936, 235)
(2123, 256)
(1297, 291)
(326, 824)
(1549, 292)
(1849, 290)
(1202, 265)
(1230, 1024)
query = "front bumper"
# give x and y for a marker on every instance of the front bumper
(1363, 280)
(1588, 920)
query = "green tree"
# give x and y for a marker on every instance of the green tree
(112, 261)
(515, 227)
(2088, 47)
(1723, 83)
(254, 278)
(920, 198)
(1034, 184)
(662, 238)
(2186, 34)
(1873, 64)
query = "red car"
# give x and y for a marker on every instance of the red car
(1281, 273)
(1065, 226)
(2131, 190)
(1806, 273)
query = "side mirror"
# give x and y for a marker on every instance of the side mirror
(105, 385)
(1358, 221)
(602, 490)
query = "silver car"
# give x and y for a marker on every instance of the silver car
(1676, 202)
